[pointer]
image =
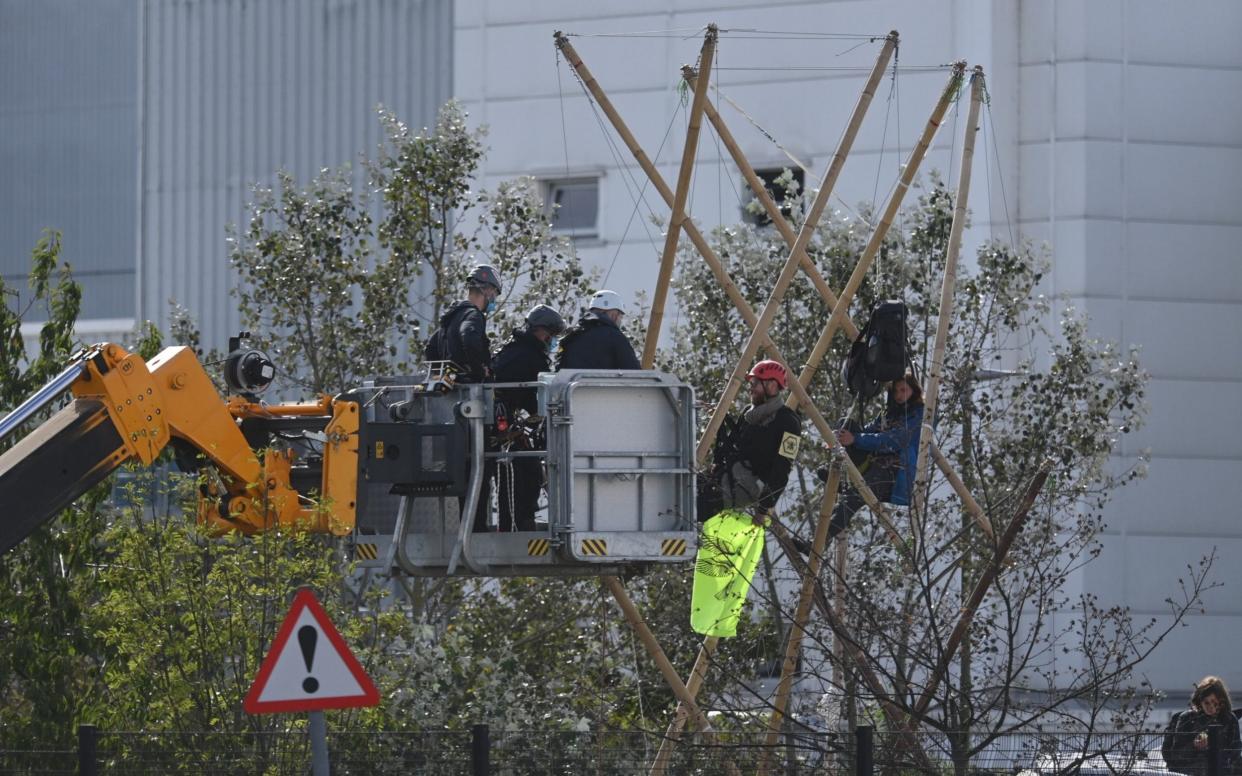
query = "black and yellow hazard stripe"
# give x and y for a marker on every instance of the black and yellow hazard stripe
(366, 551)
(673, 547)
(537, 547)
(594, 547)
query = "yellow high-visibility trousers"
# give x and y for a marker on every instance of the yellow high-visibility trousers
(729, 552)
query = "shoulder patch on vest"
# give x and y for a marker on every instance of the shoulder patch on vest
(789, 445)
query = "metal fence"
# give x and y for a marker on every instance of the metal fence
(863, 752)
(1027, 752)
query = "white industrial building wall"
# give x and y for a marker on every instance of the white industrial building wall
(506, 72)
(235, 90)
(1112, 132)
(1131, 157)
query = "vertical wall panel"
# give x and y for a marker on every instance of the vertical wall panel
(239, 90)
(68, 142)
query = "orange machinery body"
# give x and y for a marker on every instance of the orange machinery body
(150, 405)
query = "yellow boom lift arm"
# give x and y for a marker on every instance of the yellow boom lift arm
(127, 409)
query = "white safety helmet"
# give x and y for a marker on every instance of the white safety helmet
(605, 300)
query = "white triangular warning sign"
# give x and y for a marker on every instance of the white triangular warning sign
(309, 666)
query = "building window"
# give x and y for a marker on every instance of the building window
(783, 184)
(573, 206)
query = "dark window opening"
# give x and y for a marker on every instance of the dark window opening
(573, 206)
(784, 186)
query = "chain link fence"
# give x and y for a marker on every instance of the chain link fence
(863, 752)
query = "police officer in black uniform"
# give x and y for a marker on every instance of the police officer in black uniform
(754, 456)
(523, 357)
(462, 336)
(597, 342)
(462, 339)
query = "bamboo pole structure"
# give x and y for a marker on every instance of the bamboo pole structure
(698, 675)
(653, 647)
(959, 487)
(798, 386)
(821, 285)
(839, 318)
(684, 174)
(730, 288)
(838, 594)
(793, 645)
(981, 588)
(839, 310)
(849, 646)
(772, 306)
(765, 199)
(931, 391)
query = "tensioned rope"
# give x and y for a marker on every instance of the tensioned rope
(808, 175)
(879, 165)
(655, 160)
(560, 93)
(635, 190)
(740, 33)
(841, 68)
(901, 216)
(989, 140)
(989, 126)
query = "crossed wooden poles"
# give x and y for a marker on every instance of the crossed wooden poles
(798, 259)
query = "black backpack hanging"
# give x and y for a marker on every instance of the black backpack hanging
(878, 355)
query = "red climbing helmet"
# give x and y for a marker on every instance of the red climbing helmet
(769, 370)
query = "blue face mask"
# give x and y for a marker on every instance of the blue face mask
(491, 306)
(553, 344)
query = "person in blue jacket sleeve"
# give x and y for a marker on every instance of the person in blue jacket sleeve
(890, 445)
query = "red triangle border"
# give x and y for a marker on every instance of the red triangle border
(305, 599)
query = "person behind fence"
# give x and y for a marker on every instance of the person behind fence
(752, 461)
(886, 452)
(1186, 744)
(597, 342)
(523, 357)
(462, 336)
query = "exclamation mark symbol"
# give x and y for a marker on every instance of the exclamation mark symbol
(307, 636)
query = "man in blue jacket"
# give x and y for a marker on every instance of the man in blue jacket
(891, 443)
(597, 342)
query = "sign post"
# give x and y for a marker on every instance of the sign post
(309, 667)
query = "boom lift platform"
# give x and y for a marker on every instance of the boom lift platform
(387, 464)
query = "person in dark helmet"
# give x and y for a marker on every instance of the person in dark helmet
(523, 357)
(462, 339)
(597, 342)
(462, 336)
(1186, 747)
(526, 354)
(754, 455)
